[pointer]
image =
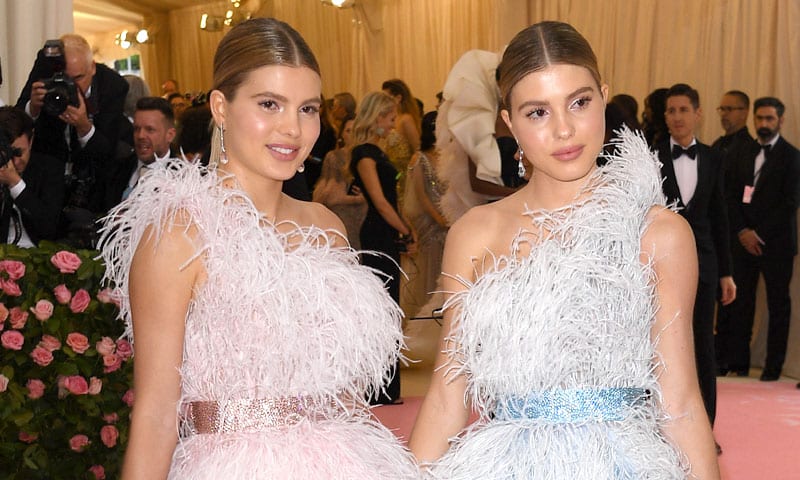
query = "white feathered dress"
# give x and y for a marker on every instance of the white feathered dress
(572, 316)
(301, 322)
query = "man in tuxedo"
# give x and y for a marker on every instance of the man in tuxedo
(82, 137)
(693, 179)
(31, 184)
(153, 132)
(763, 196)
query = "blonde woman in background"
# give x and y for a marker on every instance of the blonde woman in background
(335, 187)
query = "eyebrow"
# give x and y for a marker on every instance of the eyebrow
(537, 103)
(282, 98)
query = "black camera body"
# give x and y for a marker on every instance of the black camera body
(7, 152)
(61, 92)
(49, 68)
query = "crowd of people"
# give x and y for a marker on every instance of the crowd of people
(596, 273)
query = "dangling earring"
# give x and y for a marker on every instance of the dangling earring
(521, 167)
(223, 154)
(301, 168)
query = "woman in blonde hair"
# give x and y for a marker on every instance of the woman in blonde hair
(384, 231)
(258, 334)
(569, 319)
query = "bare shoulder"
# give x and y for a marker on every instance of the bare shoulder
(471, 237)
(308, 214)
(666, 232)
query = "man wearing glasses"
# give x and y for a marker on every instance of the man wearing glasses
(733, 111)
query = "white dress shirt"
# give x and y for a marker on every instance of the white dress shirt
(685, 172)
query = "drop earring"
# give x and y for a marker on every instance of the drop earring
(521, 166)
(223, 154)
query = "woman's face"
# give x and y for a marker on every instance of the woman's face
(271, 123)
(347, 132)
(558, 117)
(385, 122)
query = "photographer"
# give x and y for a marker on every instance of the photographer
(31, 188)
(78, 123)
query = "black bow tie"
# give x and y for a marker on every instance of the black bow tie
(677, 151)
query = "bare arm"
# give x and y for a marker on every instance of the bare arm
(670, 243)
(410, 131)
(369, 177)
(160, 292)
(443, 412)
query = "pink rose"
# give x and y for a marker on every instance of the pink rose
(43, 310)
(62, 293)
(109, 435)
(98, 471)
(80, 301)
(66, 262)
(76, 385)
(110, 417)
(111, 363)
(105, 295)
(105, 346)
(12, 340)
(78, 342)
(41, 356)
(124, 349)
(3, 382)
(50, 343)
(128, 398)
(3, 312)
(10, 288)
(78, 442)
(18, 318)
(15, 269)
(35, 388)
(95, 386)
(27, 437)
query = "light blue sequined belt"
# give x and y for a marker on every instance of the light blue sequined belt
(573, 405)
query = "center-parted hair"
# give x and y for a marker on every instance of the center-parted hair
(539, 46)
(256, 43)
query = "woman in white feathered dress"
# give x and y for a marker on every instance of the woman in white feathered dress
(258, 334)
(568, 325)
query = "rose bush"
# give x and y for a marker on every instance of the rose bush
(65, 375)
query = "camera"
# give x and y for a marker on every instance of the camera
(61, 89)
(7, 151)
(61, 92)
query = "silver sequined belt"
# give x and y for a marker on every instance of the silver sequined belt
(254, 415)
(573, 405)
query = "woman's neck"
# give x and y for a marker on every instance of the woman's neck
(545, 193)
(266, 194)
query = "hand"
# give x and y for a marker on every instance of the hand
(9, 175)
(728, 289)
(751, 241)
(37, 98)
(77, 117)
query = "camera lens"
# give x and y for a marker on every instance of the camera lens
(56, 100)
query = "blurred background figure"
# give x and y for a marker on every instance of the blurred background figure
(653, 123)
(194, 134)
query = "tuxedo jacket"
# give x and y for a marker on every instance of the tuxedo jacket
(706, 212)
(772, 209)
(41, 201)
(105, 107)
(116, 178)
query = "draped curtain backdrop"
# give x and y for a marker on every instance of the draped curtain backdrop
(713, 45)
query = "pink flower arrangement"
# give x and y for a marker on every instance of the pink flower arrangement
(64, 364)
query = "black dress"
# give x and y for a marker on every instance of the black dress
(378, 236)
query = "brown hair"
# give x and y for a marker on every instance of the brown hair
(408, 104)
(539, 46)
(257, 43)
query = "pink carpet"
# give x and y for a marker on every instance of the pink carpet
(758, 427)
